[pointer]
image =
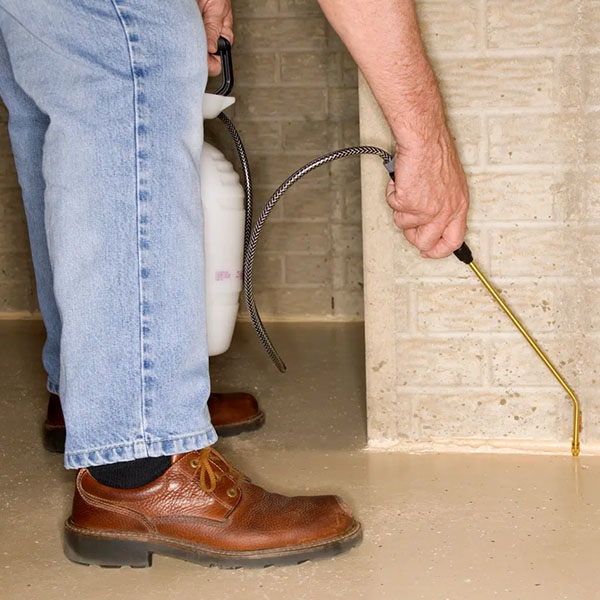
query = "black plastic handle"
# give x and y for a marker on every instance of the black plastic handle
(224, 51)
(464, 253)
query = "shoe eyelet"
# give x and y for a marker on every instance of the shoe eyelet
(194, 463)
(232, 493)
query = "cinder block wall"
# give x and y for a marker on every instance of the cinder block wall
(17, 287)
(445, 367)
(297, 98)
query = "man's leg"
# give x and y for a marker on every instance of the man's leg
(230, 413)
(121, 82)
(27, 127)
(122, 85)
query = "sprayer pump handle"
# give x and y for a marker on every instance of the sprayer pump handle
(224, 51)
(464, 253)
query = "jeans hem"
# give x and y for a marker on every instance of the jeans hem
(139, 449)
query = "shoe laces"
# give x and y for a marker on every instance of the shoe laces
(206, 473)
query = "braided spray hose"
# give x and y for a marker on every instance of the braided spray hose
(246, 176)
(250, 250)
(252, 234)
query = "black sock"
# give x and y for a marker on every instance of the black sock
(131, 474)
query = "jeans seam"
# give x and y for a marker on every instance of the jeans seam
(158, 440)
(199, 439)
(136, 91)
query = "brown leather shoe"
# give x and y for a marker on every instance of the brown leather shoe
(234, 413)
(230, 414)
(204, 511)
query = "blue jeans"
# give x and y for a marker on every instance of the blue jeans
(105, 121)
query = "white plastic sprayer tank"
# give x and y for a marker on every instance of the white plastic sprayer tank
(223, 207)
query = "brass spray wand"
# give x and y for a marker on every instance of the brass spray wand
(464, 254)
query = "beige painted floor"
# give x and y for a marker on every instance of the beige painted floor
(437, 527)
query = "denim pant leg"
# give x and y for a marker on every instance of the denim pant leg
(121, 82)
(27, 127)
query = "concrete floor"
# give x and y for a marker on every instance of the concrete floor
(436, 526)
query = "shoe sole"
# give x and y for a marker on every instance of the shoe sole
(86, 547)
(54, 437)
(252, 424)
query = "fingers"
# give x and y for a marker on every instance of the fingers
(430, 196)
(213, 23)
(405, 219)
(432, 234)
(218, 21)
(435, 240)
(440, 250)
(227, 30)
(427, 236)
(410, 235)
(410, 221)
(452, 238)
(214, 65)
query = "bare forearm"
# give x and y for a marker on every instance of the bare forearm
(429, 196)
(384, 39)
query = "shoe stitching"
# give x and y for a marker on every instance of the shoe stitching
(113, 506)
